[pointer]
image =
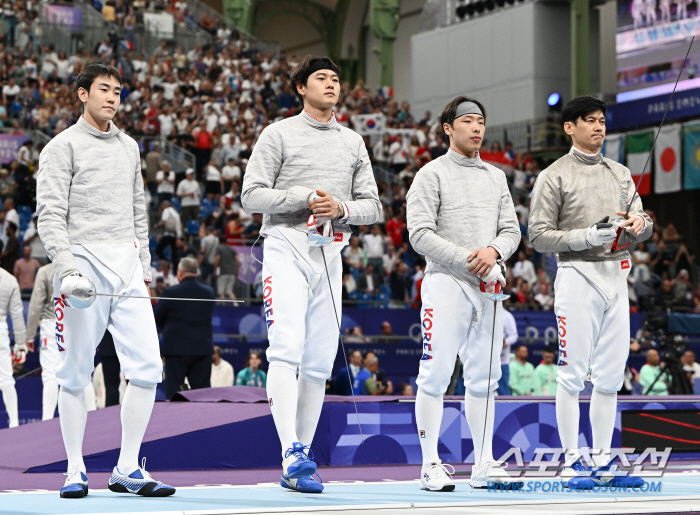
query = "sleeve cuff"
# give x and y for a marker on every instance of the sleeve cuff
(346, 209)
(576, 240)
(497, 249)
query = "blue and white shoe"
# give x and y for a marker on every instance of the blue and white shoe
(76, 485)
(306, 485)
(139, 482)
(577, 476)
(296, 463)
(610, 475)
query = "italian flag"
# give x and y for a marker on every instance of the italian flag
(638, 148)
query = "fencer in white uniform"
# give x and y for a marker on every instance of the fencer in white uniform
(572, 202)
(303, 167)
(92, 222)
(462, 218)
(41, 314)
(10, 301)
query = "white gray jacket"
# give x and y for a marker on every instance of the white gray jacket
(41, 305)
(90, 190)
(11, 300)
(295, 157)
(574, 193)
(457, 205)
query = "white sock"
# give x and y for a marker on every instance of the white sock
(309, 406)
(428, 419)
(90, 400)
(49, 400)
(282, 396)
(135, 414)
(73, 416)
(567, 421)
(475, 412)
(602, 414)
(9, 397)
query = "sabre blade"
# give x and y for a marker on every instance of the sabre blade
(114, 295)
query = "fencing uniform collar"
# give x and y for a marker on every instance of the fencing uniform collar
(464, 160)
(317, 124)
(586, 159)
(83, 124)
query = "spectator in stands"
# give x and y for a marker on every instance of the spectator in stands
(523, 380)
(546, 373)
(235, 230)
(650, 372)
(229, 173)
(209, 244)
(398, 154)
(543, 299)
(510, 337)
(369, 281)
(690, 365)
(187, 331)
(406, 389)
(252, 232)
(353, 254)
(6, 185)
(373, 244)
(25, 271)
(683, 260)
(417, 279)
(165, 273)
(226, 266)
(172, 229)
(696, 300)
(400, 285)
(389, 258)
(11, 214)
(190, 197)
(682, 289)
(381, 151)
(165, 178)
(154, 163)
(386, 332)
(665, 296)
(213, 182)
(371, 380)
(184, 250)
(31, 238)
(221, 370)
(395, 228)
(10, 253)
(525, 269)
(343, 383)
(251, 375)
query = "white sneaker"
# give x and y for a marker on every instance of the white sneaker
(490, 472)
(436, 478)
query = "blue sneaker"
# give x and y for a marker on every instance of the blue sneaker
(296, 463)
(306, 485)
(76, 486)
(610, 475)
(577, 476)
(139, 482)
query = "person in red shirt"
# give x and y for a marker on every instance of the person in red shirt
(394, 228)
(234, 231)
(202, 147)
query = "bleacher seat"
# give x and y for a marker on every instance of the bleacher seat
(363, 296)
(383, 299)
(24, 212)
(175, 201)
(385, 289)
(192, 227)
(207, 208)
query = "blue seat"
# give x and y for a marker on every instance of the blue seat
(152, 244)
(365, 297)
(383, 298)
(385, 289)
(175, 201)
(24, 212)
(192, 227)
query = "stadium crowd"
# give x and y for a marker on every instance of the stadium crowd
(215, 102)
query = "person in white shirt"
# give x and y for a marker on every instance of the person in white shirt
(167, 121)
(190, 197)
(213, 181)
(221, 370)
(373, 243)
(170, 221)
(24, 154)
(690, 365)
(510, 336)
(31, 238)
(398, 155)
(389, 258)
(525, 269)
(166, 182)
(229, 173)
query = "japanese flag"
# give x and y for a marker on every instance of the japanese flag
(667, 160)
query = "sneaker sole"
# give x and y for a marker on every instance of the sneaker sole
(304, 471)
(74, 494)
(283, 484)
(145, 491)
(446, 488)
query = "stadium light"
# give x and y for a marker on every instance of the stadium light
(553, 99)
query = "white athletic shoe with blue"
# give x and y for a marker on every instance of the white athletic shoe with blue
(139, 482)
(296, 463)
(305, 485)
(76, 485)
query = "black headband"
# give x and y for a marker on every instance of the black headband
(320, 64)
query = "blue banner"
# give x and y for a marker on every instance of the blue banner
(650, 110)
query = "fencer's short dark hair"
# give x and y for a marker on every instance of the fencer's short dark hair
(580, 107)
(302, 71)
(92, 71)
(448, 114)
